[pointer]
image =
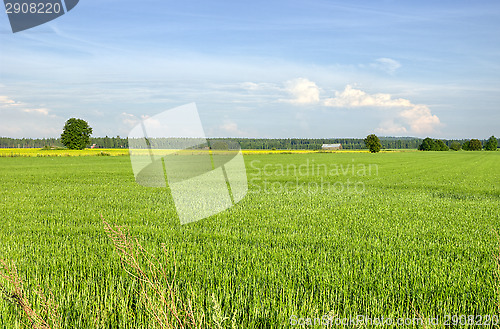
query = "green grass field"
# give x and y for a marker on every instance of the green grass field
(403, 234)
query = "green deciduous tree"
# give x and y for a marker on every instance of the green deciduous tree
(472, 145)
(440, 145)
(455, 146)
(372, 142)
(428, 144)
(76, 134)
(491, 144)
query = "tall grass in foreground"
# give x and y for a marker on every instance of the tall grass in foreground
(497, 273)
(45, 316)
(158, 291)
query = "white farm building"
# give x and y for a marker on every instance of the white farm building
(332, 147)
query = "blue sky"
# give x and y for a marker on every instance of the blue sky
(259, 68)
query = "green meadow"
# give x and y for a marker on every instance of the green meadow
(396, 235)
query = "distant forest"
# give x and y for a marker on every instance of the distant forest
(245, 143)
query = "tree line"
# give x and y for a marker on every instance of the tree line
(100, 142)
(245, 143)
(268, 144)
(429, 144)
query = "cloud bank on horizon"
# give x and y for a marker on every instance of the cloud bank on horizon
(407, 118)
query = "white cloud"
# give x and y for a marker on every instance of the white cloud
(405, 117)
(303, 91)
(21, 120)
(39, 111)
(4, 100)
(129, 119)
(386, 64)
(420, 119)
(410, 118)
(250, 86)
(389, 127)
(351, 97)
(229, 126)
(8, 103)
